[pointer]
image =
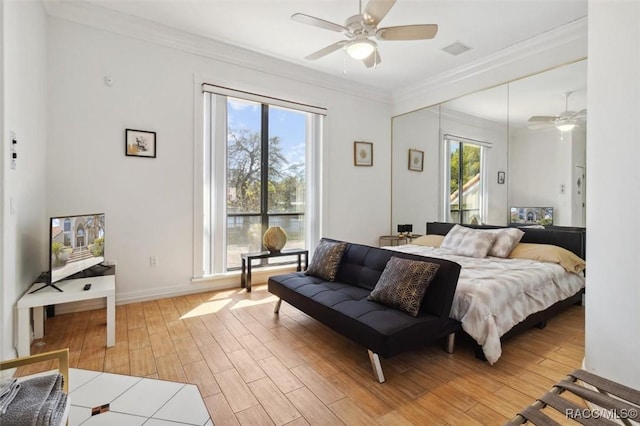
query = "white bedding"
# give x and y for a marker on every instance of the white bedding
(494, 294)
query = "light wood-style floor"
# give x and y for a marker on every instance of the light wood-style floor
(256, 368)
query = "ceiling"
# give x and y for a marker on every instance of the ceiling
(265, 26)
(539, 94)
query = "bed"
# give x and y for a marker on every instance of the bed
(497, 297)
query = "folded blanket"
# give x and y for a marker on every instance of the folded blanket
(38, 402)
(53, 407)
(6, 385)
(8, 394)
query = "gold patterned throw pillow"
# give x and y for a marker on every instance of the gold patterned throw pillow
(326, 259)
(403, 283)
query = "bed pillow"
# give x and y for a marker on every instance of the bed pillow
(428, 240)
(326, 259)
(506, 240)
(549, 253)
(468, 242)
(403, 283)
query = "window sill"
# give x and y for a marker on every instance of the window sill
(232, 279)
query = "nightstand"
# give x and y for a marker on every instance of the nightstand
(396, 240)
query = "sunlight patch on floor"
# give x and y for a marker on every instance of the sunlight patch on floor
(207, 308)
(246, 303)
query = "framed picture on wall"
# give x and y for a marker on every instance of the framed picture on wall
(363, 153)
(416, 160)
(140, 143)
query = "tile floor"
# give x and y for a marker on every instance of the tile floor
(134, 401)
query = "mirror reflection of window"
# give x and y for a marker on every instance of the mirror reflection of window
(465, 182)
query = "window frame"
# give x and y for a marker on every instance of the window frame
(210, 235)
(483, 191)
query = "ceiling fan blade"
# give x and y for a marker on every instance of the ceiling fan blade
(376, 10)
(542, 119)
(372, 60)
(580, 114)
(326, 50)
(540, 125)
(408, 32)
(317, 22)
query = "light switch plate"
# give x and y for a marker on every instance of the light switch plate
(13, 155)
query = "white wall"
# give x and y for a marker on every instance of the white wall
(613, 241)
(540, 163)
(149, 202)
(6, 349)
(416, 196)
(24, 229)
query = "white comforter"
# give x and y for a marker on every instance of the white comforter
(494, 294)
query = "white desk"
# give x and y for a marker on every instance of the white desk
(101, 286)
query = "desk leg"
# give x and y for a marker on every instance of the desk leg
(243, 276)
(24, 338)
(248, 280)
(111, 321)
(299, 268)
(38, 322)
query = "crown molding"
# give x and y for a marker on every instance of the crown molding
(568, 42)
(464, 118)
(93, 15)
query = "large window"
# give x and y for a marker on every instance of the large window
(261, 170)
(464, 182)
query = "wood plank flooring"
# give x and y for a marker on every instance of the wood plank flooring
(254, 367)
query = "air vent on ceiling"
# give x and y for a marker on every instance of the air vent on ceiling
(456, 48)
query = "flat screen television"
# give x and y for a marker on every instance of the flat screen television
(76, 243)
(531, 216)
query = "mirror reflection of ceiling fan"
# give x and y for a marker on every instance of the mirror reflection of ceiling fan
(564, 122)
(359, 29)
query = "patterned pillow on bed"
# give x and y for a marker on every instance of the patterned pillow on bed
(506, 240)
(468, 242)
(403, 283)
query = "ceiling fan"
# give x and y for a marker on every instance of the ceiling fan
(359, 29)
(564, 122)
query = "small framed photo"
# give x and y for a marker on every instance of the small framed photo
(501, 178)
(362, 153)
(140, 143)
(416, 160)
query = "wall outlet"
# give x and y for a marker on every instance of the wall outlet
(153, 261)
(562, 188)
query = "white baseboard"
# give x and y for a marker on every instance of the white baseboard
(199, 285)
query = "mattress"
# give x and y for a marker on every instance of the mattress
(495, 294)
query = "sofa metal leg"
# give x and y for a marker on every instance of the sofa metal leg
(276, 309)
(375, 364)
(451, 342)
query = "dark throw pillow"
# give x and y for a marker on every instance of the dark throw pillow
(326, 259)
(403, 283)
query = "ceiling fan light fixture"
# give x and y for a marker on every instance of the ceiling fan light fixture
(565, 127)
(360, 48)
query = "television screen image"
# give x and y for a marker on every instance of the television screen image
(77, 243)
(531, 216)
